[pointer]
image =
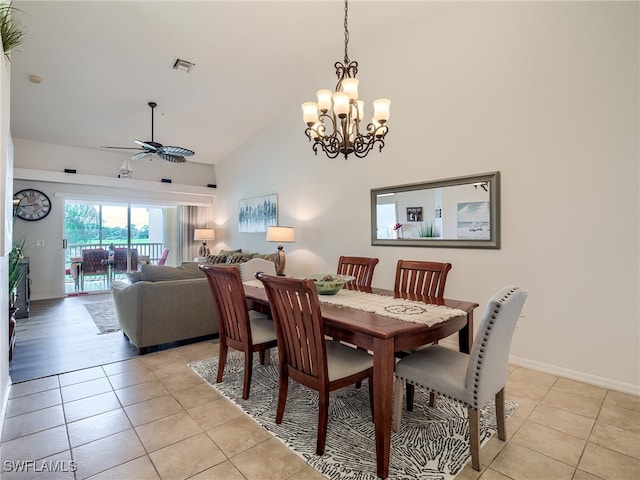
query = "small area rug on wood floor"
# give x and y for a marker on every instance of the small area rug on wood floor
(104, 316)
(432, 443)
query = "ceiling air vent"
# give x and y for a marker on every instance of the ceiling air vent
(182, 65)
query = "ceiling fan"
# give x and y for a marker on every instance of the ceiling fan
(168, 153)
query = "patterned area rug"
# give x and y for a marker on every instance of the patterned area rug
(104, 316)
(432, 443)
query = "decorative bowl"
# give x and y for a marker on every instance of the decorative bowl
(329, 283)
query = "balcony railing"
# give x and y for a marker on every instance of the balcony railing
(75, 281)
(151, 250)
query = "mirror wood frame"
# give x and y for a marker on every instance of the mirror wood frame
(493, 179)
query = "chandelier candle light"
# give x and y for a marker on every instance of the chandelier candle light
(204, 234)
(338, 131)
(281, 235)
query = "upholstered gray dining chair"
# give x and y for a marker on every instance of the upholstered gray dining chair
(305, 354)
(471, 379)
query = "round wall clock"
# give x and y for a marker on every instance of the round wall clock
(34, 205)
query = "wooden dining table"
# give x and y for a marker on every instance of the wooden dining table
(384, 335)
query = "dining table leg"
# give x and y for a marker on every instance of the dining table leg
(383, 363)
(465, 335)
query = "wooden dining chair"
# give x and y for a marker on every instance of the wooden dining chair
(360, 267)
(305, 354)
(421, 278)
(242, 329)
(471, 379)
(417, 278)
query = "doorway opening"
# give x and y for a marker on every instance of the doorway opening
(105, 241)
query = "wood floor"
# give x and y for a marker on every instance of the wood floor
(59, 336)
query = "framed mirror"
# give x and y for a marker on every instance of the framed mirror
(462, 212)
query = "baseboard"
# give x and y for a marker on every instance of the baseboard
(563, 372)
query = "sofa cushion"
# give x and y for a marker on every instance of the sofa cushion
(266, 256)
(134, 277)
(229, 252)
(161, 273)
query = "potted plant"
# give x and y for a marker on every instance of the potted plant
(16, 271)
(16, 274)
(10, 29)
(428, 231)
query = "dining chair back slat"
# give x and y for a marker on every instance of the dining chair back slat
(421, 278)
(360, 267)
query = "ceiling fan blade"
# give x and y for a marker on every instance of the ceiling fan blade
(147, 145)
(140, 155)
(122, 148)
(171, 158)
(176, 151)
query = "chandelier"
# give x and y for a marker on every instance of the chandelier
(338, 131)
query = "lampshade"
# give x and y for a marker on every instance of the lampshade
(204, 234)
(281, 234)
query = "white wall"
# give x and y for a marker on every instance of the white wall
(6, 176)
(544, 92)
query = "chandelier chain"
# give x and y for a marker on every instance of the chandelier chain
(346, 33)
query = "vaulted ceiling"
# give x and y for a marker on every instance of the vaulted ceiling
(100, 63)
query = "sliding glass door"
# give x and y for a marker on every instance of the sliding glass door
(107, 240)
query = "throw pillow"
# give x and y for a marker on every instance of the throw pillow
(237, 258)
(215, 259)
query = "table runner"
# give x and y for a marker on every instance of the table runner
(402, 309)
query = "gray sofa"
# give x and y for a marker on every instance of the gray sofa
(163, 304)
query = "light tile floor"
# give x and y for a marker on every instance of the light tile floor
(151, 417)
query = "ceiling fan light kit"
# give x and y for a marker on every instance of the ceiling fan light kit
(169, 153)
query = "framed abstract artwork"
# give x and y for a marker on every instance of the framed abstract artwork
(257, 213)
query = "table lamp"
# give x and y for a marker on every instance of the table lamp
(280, 235)
(204, 234)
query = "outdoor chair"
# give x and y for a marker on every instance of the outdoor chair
(245, 330)
(163, 257)
(120, 260)
(304, 353)
(95, 264)
(471, 379)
